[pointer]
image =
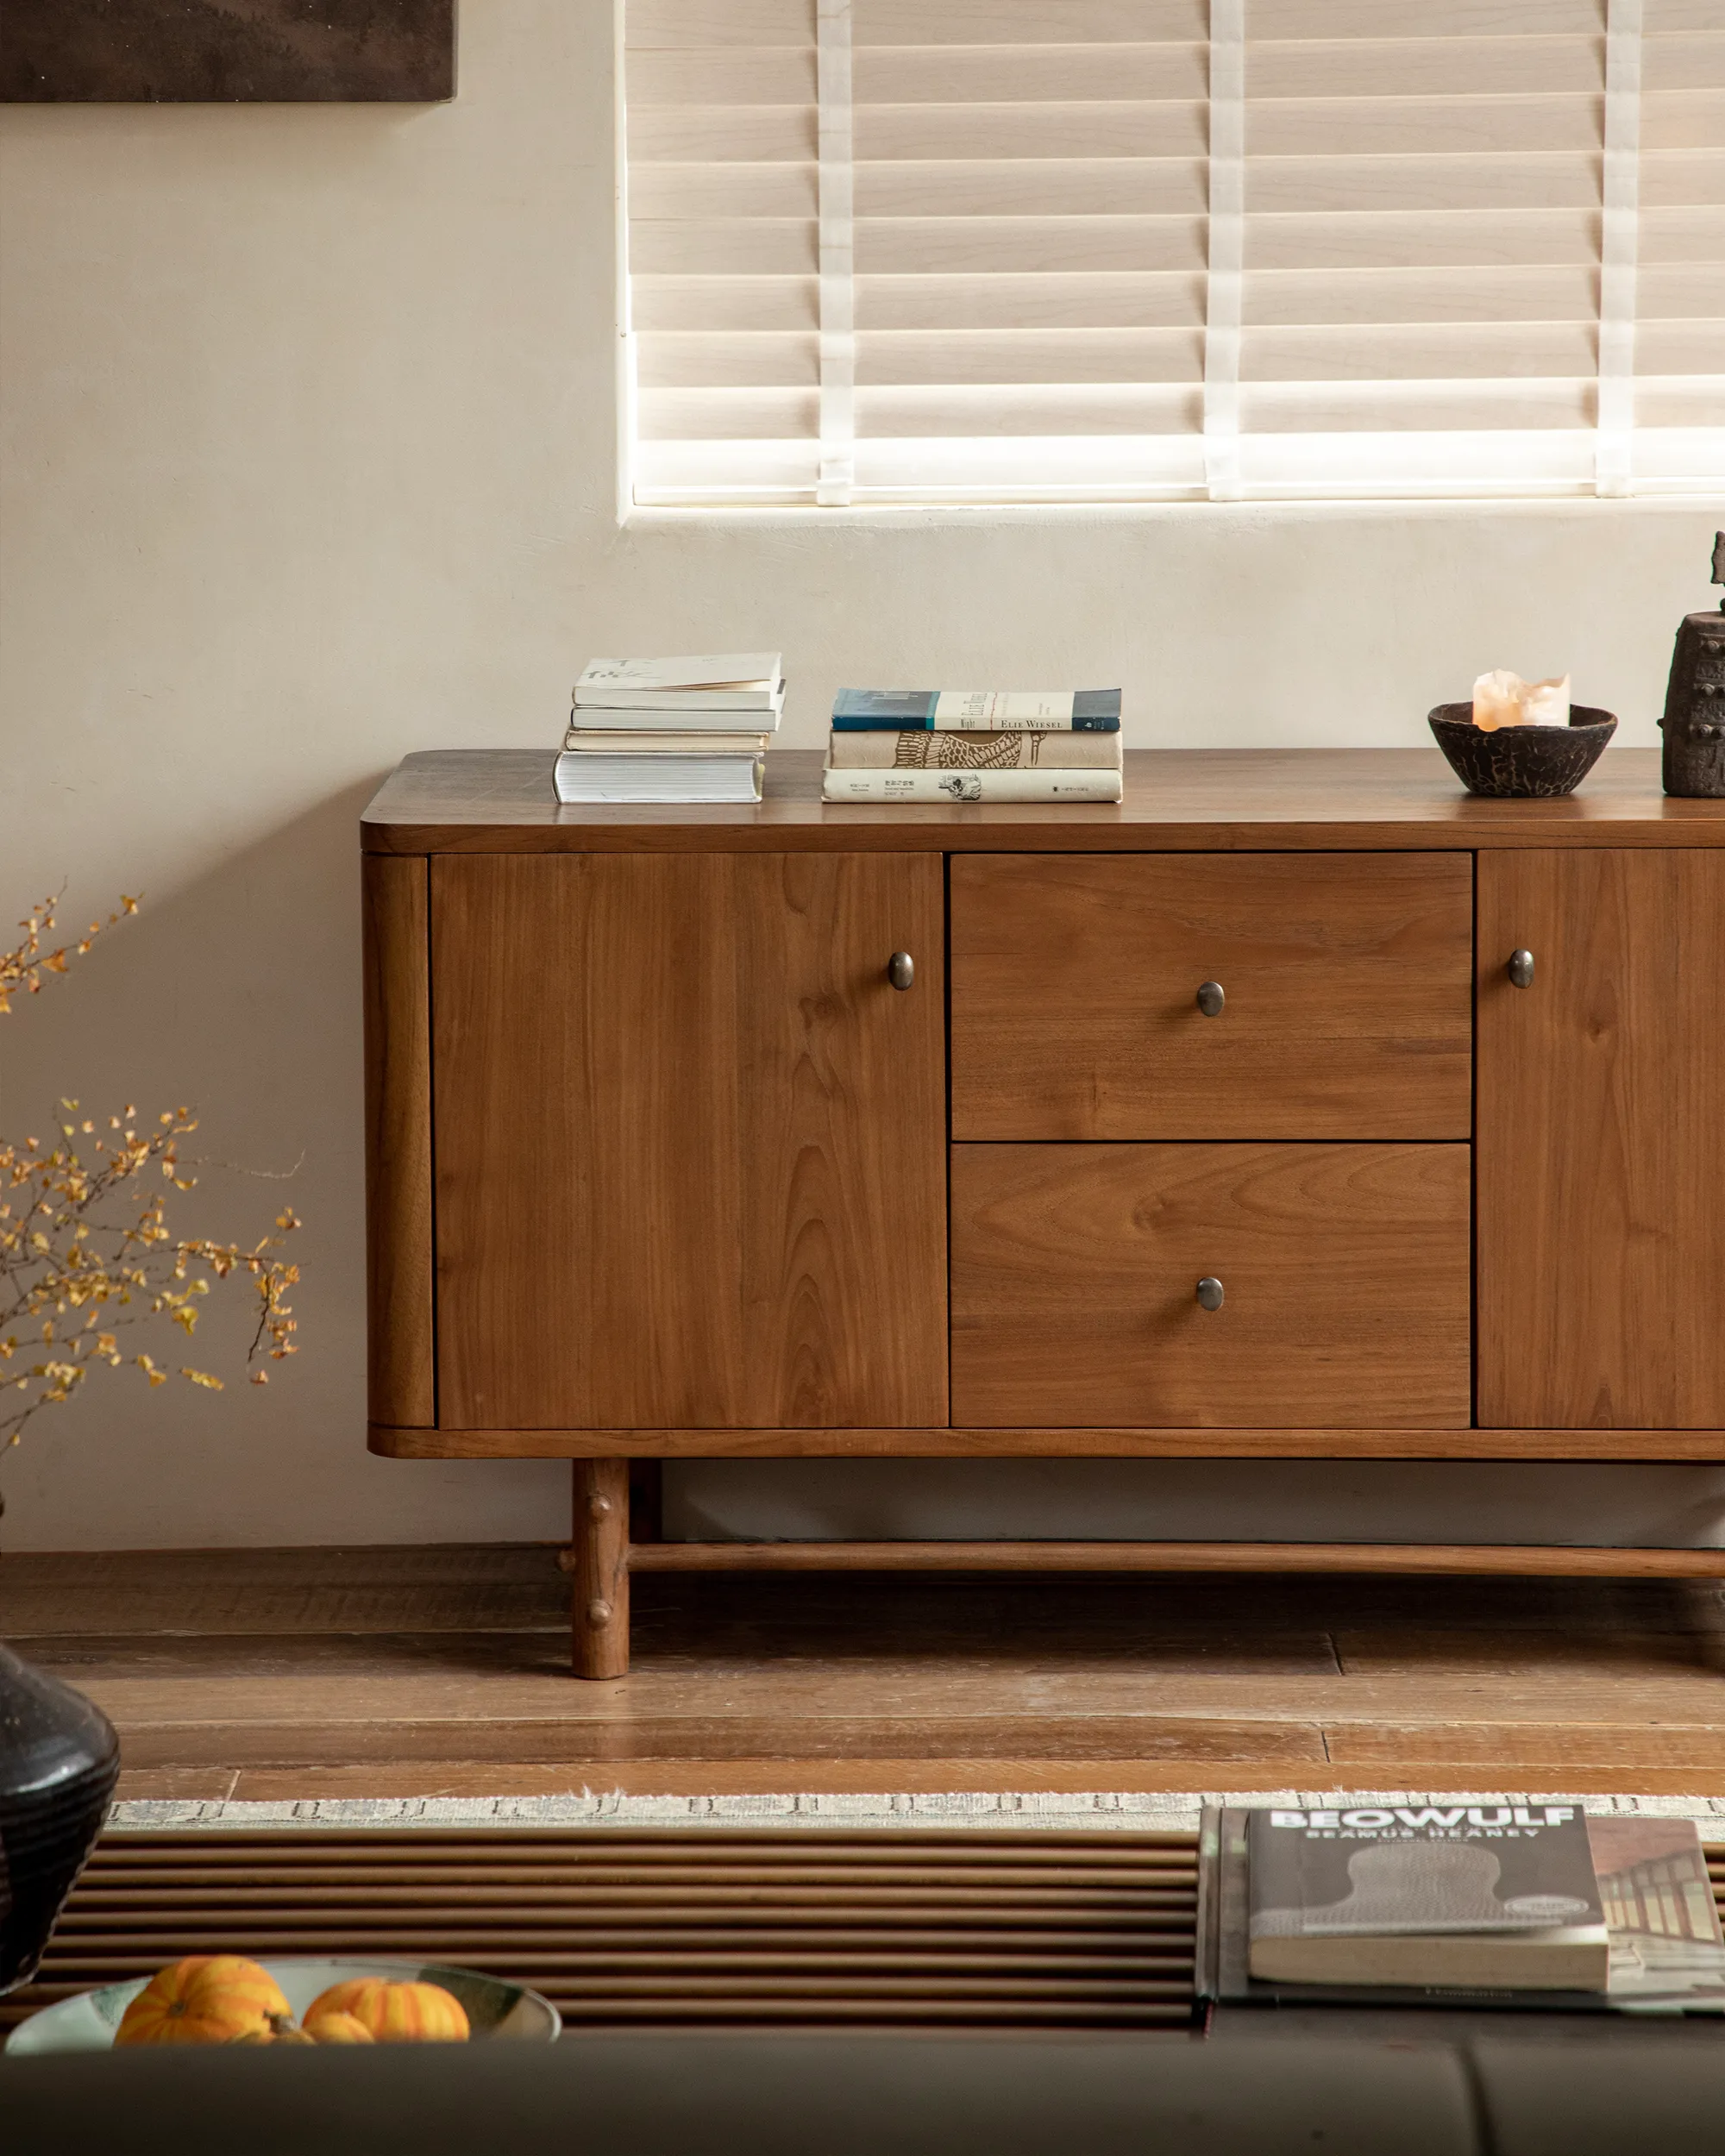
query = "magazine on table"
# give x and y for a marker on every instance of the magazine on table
(1666, 1952)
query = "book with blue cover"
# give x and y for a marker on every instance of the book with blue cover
(977, 710)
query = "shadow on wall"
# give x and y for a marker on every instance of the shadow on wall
(237, 993)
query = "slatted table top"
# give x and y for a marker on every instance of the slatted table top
(676, 1928)
(625, 1929)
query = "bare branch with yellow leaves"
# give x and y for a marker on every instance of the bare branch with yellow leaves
(85, 1250)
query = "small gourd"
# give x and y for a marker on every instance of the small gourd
(334, 2026)
(392, 2012)
(207, 1999)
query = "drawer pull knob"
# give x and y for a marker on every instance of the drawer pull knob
(1522, 968)
(902, 970)
(1211, 999)
(1209, 1292)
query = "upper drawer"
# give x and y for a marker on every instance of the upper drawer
(1346, 996)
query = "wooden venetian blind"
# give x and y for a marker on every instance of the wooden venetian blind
(923, 250)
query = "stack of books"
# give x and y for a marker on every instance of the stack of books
(672, 729)
(1505, 1903)
(974, 745)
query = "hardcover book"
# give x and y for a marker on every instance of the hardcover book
(1452, 1895)
(660, 779)
(921, 750)
(979, 711)
(838, 784)
(706, 717)
(716, 681)
(582, 741)
(1666, 1945)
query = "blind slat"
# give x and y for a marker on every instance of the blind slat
(1028, 301)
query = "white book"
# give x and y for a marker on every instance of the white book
(599, 742)
(711, 718)
(918, 749)
(662, 778)
(969, 786)
(724, 680)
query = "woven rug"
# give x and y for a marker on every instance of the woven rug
(1152, 1812)
(964, 1910)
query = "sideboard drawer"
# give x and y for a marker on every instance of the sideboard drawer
(1344, 1271)
(1346, 1008)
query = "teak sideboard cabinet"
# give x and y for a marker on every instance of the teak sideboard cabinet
(1302, 1105)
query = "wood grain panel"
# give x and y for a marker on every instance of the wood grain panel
(1345, 1269)
(1601, 1141)
(1177, 800)
(1347, 978)
(689, 1141)
(1123, 1441)
(396, 966)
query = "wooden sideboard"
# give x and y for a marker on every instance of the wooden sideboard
(669, 1155)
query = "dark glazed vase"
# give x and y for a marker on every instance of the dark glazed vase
(59, 1762)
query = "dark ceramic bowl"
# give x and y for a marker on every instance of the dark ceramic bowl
(1527, 763)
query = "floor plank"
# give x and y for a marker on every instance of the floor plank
(1202, 1743)
(404, 1672)
(1497, 1747)
(435, 1588)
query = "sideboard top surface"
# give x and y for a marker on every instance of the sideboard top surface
(500, 800)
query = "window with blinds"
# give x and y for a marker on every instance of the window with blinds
(1068, 250)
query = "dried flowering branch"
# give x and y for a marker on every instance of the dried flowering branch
(85, 1250)
(24, 967)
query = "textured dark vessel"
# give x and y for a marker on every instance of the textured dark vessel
(1527, 762)
(1694, 721)
(59, 1762)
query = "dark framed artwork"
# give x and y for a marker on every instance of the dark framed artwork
(224, 52)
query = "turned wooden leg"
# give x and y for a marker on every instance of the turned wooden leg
(599, 1561)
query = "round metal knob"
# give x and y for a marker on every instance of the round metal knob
(1521, 968)
(902, 970)
(1211, 997)
(1209, 1292)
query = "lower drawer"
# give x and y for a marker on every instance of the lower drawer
(1345, 1275)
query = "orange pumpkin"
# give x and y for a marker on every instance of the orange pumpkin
(206, 1999)
(395, 2013)
(336, 2027)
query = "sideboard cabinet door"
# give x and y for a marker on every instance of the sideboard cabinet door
(1600, 1140)
(690, 1140)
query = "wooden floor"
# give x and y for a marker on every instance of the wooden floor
(395, 1672)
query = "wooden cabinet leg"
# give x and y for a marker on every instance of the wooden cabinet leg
(599, 1561)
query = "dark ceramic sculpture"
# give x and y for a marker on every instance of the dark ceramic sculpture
(58, 1761)
(1694, 723)
(1527, 763)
